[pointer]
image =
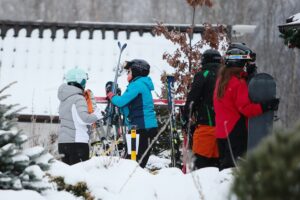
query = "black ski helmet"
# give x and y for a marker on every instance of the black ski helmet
(138, 67)
(238, 54)
(211, 56)
(109, 86)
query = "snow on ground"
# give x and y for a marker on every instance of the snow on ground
(111, 178)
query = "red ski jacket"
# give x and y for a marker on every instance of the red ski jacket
(232, 106)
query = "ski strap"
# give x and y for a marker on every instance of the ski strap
(88, 98)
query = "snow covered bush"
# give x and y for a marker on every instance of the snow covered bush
(290, 32)
(80, 189)
(291, 38)
(19, 169)
(272, 170)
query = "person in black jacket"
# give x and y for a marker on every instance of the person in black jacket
(201, 94)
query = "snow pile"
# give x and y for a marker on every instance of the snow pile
(155, 163)
(113, 178)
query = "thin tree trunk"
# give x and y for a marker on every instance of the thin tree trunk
(191, 36)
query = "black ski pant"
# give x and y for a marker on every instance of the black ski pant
(145, 138)
(233, 147)
(202, 161)
(74, 152)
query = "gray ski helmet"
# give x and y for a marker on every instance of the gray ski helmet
(238, 54)
(138, 67)
(211, 56)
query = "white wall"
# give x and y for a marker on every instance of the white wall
(39, 64)
(41, 134)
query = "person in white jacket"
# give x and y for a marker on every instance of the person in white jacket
(74, 118)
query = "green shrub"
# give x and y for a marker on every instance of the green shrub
(272, 170)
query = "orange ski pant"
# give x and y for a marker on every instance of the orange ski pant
(205, 142)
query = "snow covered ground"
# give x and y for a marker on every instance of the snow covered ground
(111, 178)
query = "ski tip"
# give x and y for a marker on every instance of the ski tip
(124, 46)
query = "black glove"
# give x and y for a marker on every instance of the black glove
(251, 69)
(119, 91)
(270, 105)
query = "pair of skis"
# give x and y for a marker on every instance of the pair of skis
(113, 110)
(105, 140)
(174, 137)
(96, 130)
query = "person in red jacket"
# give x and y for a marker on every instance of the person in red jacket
(233, 107)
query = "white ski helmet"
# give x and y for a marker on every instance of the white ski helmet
(76, 75)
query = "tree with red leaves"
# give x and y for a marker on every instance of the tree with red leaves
(186, 60)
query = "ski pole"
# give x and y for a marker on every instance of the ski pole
(186, 142)
(145, 153)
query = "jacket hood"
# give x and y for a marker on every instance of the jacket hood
(65, 91)
(145, 80)
(211, 66)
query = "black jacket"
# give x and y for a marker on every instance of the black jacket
(201, 94)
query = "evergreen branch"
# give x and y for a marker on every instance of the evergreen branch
(3, 89)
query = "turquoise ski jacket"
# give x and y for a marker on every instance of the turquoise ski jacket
(137, 103)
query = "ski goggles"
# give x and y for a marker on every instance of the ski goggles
(238, 57)
(127, 64)
(128, 71)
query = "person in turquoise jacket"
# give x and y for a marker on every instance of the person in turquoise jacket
(137, 105)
